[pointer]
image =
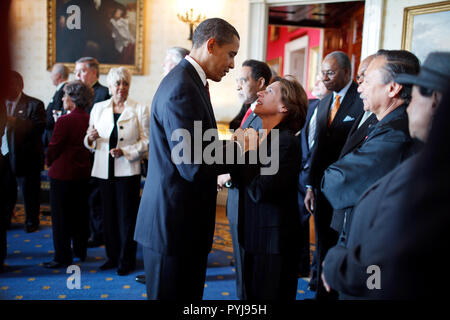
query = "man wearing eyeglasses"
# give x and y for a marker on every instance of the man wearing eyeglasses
(336, 115)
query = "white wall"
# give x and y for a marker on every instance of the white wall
(393, 21)
(162, 29)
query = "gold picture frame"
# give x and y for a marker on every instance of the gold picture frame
(276, 65)
(112, 33)
(422, 30)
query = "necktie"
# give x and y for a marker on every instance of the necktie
(249, 110)
(334, 110)
(312, 129)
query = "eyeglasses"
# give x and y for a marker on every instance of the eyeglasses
(328, 73)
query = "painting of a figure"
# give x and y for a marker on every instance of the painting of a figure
(107, 30)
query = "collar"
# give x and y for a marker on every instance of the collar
(397, 112)
(343, 91)
(253, 105)
(198, 68)
(59, 86)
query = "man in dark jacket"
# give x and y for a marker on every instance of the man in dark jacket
(23, 151)
(59, 76)
(336, 114)
(87, 70)
(398, 228)
(387, 144)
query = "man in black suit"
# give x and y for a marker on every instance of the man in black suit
(87, 70)
(356, 137)
(23, 151)
(386, 145)
(176, 219)
(254, 76)
(336, 114)
(396, 226)
(307, 135)
(59, 76)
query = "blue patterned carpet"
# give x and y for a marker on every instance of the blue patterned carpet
(26, 279)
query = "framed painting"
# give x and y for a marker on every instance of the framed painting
(275, 65)
(426, 28)
(109, 30)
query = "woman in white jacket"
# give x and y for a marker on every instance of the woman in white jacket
(118, 134)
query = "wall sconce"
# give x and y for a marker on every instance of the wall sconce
(191, 20)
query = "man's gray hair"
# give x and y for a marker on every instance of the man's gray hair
(62, 70)
(177, 53)
(92, 63)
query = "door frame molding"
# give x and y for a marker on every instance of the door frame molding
(258, 23)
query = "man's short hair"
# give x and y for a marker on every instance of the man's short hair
(62, 70)
(215, 28)
(92, 63)
(397, 62)
(259, 69)
(178, 53)
(342, 59)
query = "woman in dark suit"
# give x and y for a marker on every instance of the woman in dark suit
(269, 223)
(69, 174)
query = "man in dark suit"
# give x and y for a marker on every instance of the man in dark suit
(393, 228)
(306, 136)
(388, 142)
(254, 76)
(59, 76)
(23, 151)
(176, 219)
(87, 70)
(336, 114)
(356, 137)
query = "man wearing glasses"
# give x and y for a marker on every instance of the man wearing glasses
(336, 115)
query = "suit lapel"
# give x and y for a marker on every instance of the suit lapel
(346, 105)
(21, 107)
(322, 114)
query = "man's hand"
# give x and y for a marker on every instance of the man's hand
(247, 138)
(92, 134)
(222, 179)
(310, 200)
(116, 152)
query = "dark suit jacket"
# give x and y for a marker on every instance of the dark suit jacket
(253, 121)
(357, 135)
(330, 140)
(268, 219)
(101, 93)
(345, 268)
(67, 157)
(55, 104)
(306, 159)
(354, 140)
(177, 210)
(26, 152)
(387, 145)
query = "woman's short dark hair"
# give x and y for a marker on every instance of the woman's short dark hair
(80, 94)
(215, 28)
(295, 101)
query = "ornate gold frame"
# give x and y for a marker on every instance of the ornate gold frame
(137, 68)
(411, 12)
